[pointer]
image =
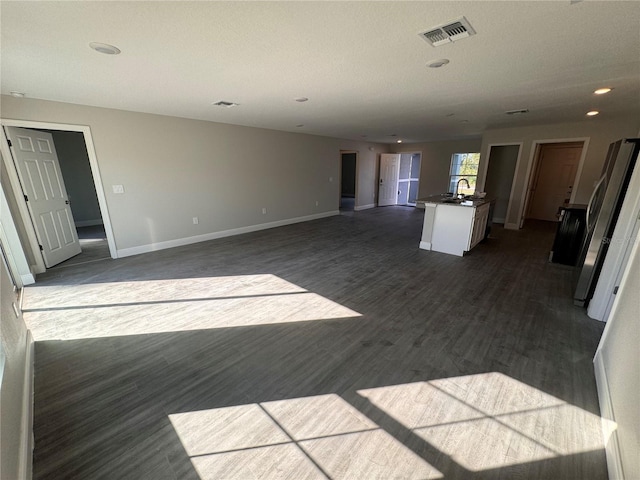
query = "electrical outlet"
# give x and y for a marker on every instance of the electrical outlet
(317, 203)
(195, 220)
(331, 179)
(118, 188)
(264, 210)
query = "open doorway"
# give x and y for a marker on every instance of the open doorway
(81, 176)
(554, 174)
(499, 180)
(399, 178)
(348, 181)
(76, 172)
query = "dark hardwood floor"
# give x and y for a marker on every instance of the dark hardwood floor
(328, 349)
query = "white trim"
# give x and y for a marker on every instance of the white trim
(26, 441)
(364, 207)
(610, 435)
(88, 223)
(95, 172)
(425, 245)
(533, 159)
(126, 252)
(16, 259)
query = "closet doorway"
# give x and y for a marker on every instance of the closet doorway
(348, 180)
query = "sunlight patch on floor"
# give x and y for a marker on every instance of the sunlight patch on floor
(489, 420)
(311, 437)
(171, 305)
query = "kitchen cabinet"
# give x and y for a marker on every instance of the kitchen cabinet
(453, 228)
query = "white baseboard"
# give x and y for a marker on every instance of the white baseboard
(511, 226)
(88, 223)
(28, 279)
(26, 442)
(364, 207)
(151, 247)
(425, 245)
(610, 435)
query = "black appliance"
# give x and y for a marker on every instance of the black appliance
(570, 234)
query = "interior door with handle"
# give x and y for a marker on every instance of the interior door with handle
(389, 175)
(41, 179)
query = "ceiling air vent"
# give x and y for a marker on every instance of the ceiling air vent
(224, 104)
(448, 32)
(519, 111)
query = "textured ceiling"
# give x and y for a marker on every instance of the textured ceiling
(361, 64)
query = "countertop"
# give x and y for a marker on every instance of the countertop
(442, 200)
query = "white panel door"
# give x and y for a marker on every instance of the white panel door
(39, 171)
(554, 181)
(389, 172)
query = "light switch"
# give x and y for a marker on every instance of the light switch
(118, 188)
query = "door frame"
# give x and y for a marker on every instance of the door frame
(485, 170)
(23, 213)
(355, 200)
(534, 157)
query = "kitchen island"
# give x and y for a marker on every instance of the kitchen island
(453, 226)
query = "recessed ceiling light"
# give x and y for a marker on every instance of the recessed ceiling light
(398, 141)
(105, 48)
(602, 91)
(301, 99)
(438, 63)
(592, 113)
(17, 94)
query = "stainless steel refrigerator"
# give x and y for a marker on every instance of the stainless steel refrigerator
(602, 214)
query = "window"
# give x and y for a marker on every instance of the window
(464, 165)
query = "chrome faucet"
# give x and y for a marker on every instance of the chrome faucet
(455, 194)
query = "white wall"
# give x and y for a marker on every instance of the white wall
(436, 162)
(617, 361)
(15, 458)
(600, 132)
(173, 169)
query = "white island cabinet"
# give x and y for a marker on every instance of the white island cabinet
(453, 228)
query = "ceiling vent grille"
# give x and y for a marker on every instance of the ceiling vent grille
(224, 104)
(449, 32)
(519, 111)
